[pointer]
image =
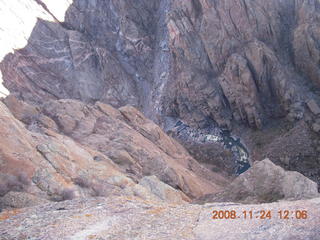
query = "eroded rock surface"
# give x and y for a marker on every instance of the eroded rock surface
(238, 54)
(161, 190)
(75, 128)
(238, 64)
(133, 218)
(67, 149)
(266, 182)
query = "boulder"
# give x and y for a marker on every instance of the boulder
(266, 182)
(291, 147)
(313, 106)
(162, 190)
(20, 200)
(316, 127)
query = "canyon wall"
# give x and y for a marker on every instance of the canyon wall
(240, 65)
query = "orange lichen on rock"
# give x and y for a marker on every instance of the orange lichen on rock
(157, 210)
(8, 214)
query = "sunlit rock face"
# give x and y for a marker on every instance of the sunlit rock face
(68, 149)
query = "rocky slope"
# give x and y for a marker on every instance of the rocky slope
(100, 101)
(68, 149)
(239, 64)
(265, 182)
(65, 149)
(132, 218)
(97, 162)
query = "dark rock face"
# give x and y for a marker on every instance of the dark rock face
(237, 64)
(195, 60)
(60, 63)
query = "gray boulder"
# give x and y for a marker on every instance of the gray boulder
(20, 200)
(266, 182)
(162, 190)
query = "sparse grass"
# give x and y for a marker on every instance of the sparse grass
(82, 182)
(24, 179)
(67, 194)
(97, 190)
(3, 189)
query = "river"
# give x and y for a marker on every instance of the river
(217, 135)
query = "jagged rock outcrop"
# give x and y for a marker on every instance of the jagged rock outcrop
(76, 127)
(68, 149)
(293, 147)
(266, 182)
(306, 40)
(238, 54)
(233, 64)
(133, 218)
(162, 190)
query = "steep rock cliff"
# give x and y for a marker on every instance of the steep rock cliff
(68, 149)
(239, 65)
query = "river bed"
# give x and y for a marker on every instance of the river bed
(220, 136)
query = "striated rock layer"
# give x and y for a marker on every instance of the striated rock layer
(66, 149)
(238, 64)
(227, 61)
(76, 127)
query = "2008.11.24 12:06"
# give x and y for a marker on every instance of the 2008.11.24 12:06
(261, 214)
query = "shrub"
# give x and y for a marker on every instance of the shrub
(24, 179)
(3, 189)
(82, 182)
(14, 183)
(67, 194)
(97, 190)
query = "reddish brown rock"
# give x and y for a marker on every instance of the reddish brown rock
(135, 143)
(231, 63)
(104, 144)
